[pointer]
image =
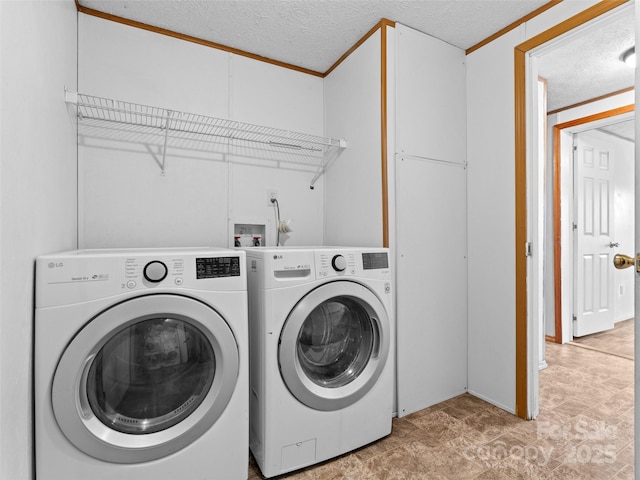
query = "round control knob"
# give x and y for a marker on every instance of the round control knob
(338, 263)
(155, 271)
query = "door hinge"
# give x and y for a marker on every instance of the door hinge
(528, 249)
(575, 226)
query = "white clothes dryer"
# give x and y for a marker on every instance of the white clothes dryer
(321, 335)
(141, 365)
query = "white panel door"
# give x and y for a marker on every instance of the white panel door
(431, 120)
(431, 282)
(595, 244)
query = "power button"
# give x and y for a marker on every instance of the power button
(155, 271)
(339, 263)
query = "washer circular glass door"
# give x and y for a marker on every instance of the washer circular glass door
(334, 345)
(145, 378)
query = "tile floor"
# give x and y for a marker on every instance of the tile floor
(584, 431)
(618, 341)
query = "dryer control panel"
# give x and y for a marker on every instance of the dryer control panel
(102, 273)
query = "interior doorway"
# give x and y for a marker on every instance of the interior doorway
(529, 202)
(615, 125)
(576, 300)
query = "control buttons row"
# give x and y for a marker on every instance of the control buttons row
(132, 283)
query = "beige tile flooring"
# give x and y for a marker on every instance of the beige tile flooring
(584, 431)
(618, 341)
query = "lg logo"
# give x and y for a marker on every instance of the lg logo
(55, 265)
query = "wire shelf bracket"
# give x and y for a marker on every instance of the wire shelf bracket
(273, 143)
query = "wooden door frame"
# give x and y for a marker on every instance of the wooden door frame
(521, 236)
(557, 191)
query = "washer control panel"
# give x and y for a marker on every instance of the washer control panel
(150, 271)
(352, 262)
(176, 270)
(104, 273)
(336, 263)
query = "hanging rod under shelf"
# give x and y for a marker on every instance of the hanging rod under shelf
(190, 126)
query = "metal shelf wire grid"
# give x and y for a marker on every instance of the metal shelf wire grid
(177, 127)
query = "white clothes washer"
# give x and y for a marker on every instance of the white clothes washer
(141, 365)
(321, 335)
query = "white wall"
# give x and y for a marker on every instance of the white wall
(491, 227)
(591, 108)
(125, 201)
(491, 194)
(624, 211)
(37, 194)
(353, 196)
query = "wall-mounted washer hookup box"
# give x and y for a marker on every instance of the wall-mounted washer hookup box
(248, 235)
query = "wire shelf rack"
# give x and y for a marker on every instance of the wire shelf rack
(173, 128)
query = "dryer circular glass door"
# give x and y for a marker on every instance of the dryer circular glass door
(334, 345)
(145, 378)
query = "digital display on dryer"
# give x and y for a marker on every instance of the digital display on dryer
(217, 267)
(374, 261)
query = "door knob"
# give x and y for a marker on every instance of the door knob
(621, 261)
(612, 245)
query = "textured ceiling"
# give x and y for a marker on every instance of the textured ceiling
(314, 34)
(588, 65)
